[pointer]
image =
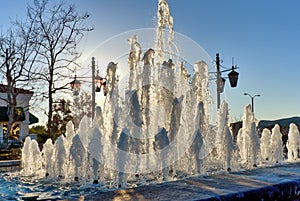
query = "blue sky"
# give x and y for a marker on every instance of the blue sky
(261, 35)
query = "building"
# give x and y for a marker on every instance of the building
(23, 117)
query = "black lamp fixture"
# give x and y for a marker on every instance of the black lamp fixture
(233, 77)
(75, 86)
(98, 82)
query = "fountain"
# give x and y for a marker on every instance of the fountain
(151, 132)
(156, 130)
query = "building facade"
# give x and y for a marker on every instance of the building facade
(22, 115)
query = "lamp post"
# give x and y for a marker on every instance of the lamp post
(233, 78)
(93, 87)
(96, 81)
(252, 100)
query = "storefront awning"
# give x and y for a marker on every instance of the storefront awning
(33, 119)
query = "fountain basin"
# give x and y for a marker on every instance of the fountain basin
(10, 165)
(280, 182)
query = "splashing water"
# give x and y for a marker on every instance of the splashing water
(276, 145)
(247, 139)
(164, 32)
(153, 130)
(265, 141)
(293, 143)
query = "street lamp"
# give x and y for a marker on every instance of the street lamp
(97, 82)
(233, 78)
(252, 99)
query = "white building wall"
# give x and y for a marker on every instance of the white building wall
(22, 101)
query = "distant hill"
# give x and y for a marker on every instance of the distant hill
(281, 122)
(269, 124)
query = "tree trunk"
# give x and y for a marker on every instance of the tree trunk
(50, 105)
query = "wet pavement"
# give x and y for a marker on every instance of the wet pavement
(280, 182)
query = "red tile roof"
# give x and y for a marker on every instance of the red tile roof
(3, 89)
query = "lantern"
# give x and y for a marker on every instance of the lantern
(75, 86)
(98, 83)
(233, 77)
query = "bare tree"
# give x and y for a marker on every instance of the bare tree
(59, 29)
(18, 52)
